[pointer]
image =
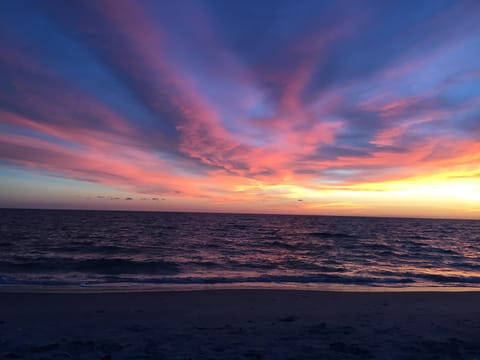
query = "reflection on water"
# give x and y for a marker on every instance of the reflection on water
(92, 248)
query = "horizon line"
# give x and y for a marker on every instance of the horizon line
(244, 213)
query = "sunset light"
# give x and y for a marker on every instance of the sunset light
(314, 112)
(240, 179)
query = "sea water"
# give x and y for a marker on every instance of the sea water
(173, 250)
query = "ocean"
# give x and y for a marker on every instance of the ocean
(161, 250)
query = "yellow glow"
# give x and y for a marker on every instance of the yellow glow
(438, 195)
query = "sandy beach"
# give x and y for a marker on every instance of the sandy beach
(240, 324)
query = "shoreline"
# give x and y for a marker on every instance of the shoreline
(93, 289)
(241, 324)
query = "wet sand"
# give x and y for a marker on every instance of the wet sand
(240, 324)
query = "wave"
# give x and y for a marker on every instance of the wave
(436, 278)
(279, 244)
(375, 281)
(304, 265)
(236, 226)
(100, 266)
(379, 247)
(207, 264)
(278, 279)
(95, 249)
(419, 237)
(331, 235)
(440, 278)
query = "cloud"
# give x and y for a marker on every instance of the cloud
(310, 96)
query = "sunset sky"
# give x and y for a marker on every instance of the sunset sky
(297, 107)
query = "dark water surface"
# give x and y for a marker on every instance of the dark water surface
(131, 249)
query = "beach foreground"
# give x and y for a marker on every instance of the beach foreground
(240, 324)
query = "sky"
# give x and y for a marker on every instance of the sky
(342, 107)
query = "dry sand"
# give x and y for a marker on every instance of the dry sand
(240, 324)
